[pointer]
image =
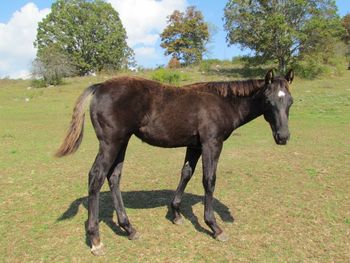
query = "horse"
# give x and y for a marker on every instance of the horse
(199, 116)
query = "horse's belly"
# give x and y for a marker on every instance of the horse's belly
(167, 138)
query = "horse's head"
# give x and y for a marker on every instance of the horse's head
(277, 101)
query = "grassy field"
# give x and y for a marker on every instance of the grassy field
(278, 204)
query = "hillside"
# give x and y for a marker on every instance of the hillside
(276, 203)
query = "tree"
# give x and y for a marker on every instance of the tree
(90, 33)
(346, 25)
(51, 66)
(281, 30)
(185, 36)
(346, 36)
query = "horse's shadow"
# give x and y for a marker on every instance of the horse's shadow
(146, 200)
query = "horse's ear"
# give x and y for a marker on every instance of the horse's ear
(269, 77)
(290, 76)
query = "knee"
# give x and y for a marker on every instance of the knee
(186, 171)
(114, 179)
(95, 183)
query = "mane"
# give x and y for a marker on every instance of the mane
(239, 88)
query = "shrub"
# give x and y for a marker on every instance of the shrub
(206, 65)
(51, 67)
(308, 68)
(38, 83)
(312, 67)
(174, 63)
(168, 76)
(327, 63)
(237, 60)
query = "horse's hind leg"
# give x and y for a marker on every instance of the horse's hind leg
(114, 184)
(191, 159)
(99, 170)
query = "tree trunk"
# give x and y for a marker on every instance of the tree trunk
(282, 65)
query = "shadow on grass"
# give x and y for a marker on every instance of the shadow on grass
(147, 200)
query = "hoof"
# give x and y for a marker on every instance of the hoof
(178, 221)
(98, 250)
(134, 236)
(222, 237)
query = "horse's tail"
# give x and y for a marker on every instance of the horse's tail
(74, 135)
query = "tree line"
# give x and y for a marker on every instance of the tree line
(79, 37)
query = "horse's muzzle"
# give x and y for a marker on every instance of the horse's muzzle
(281, 138)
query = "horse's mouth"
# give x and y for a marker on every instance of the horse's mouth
(280, 140)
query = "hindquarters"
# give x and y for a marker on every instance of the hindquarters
(117, 110)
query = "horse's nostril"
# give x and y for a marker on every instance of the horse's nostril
(281, 138)
(282, 135)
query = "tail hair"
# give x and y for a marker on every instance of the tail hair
(75, 132)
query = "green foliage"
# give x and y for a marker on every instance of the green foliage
(237, 67)
(168, 76)
(238, 60)
(312, 65)
(185, 36)
(309, 68)
(50, 67)
(206, 65)
(346, 25)
(280, 30)
(38, 83)
(346, 36)
(89, 32)
(174, 63)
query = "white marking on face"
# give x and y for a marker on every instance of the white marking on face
(281, 94)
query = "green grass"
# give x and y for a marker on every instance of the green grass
(289, 204)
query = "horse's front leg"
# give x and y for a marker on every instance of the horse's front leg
(210, 155)
(191, 159)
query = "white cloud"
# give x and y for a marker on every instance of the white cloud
(146, 52)
(16, 41)
(144, 20)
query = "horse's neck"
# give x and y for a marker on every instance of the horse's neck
(245, 109)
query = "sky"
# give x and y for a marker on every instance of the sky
(19, 19)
